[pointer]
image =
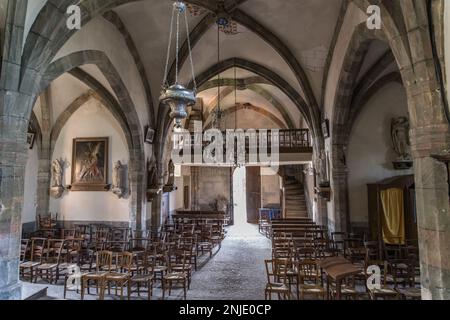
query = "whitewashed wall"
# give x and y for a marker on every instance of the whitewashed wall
(91, 120)
(370, 152)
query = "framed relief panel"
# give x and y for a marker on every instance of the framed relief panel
(90, 164)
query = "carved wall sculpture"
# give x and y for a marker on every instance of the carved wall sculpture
(401, 143)
(120, 180)
(57, 188)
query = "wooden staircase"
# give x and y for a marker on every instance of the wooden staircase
(295, 200)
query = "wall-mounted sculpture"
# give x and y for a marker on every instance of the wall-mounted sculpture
(153, 186)
(401, 143)
(321, 167)
(120, 180)
(170, 185)
(57, 188)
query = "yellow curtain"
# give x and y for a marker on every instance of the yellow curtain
(394, 216)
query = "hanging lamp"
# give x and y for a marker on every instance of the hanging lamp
(176, 96)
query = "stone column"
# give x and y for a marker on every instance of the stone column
(339, 194)
(433, 210)
(44, 170)
(13, 156)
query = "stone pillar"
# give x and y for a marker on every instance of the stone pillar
(433, 210)
(45, 157)
(13, 156)
(322, 211)
(339, 195)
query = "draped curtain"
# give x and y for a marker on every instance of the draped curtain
(394, 216)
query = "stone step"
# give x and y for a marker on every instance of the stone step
(38, 295)
(296, 212)
(294, 193)
(294, 201)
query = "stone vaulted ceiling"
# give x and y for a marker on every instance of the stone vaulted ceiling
(305, 27)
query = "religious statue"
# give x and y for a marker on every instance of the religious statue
(401, 143)
(321, 167)
(152, 174)
(400, 137)
(171, 170)
(153, 185)
(170, 185)
(57, 188)
(57, 172)
(119, 180)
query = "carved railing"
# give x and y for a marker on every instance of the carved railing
(290, 141)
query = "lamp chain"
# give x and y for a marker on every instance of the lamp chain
(169, 47)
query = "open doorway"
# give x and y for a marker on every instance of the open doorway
(240, 196)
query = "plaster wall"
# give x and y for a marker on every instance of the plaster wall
(99, 34)
(91, 120)
(370, 152)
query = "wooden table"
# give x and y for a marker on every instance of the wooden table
(337, 269)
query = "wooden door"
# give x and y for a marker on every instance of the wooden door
(253, 193)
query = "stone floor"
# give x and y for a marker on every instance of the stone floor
(236, 271)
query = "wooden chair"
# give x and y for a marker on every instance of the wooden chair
(24, 249)
(309, 278)
(337, 239)
(277, 279)
(204, 244)
(68, 233)
(187, 246)
(47, 222)
(160, 267)
(103, 266)
(144, 278)
(121, 279)
(176, 275)
(385, 292)
(27, 268)
(49, 268)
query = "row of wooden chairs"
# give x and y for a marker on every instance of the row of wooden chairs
(168, 257)
(297, 255)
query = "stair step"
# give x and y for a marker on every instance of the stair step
(38, 295)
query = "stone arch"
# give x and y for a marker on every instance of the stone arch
(269, 76)
(123, 110)
(354, 58)
(45, 39)
(312, 121)
(265, 113)
(251, 84)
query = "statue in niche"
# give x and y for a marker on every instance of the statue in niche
(401, 143)
(400, 137)
(321, 167)
(153, 186)
(171, 173)
(170, 185)
(56, 187)
(119, 180)
(152, 174)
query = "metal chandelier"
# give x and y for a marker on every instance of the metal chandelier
(176, 96)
